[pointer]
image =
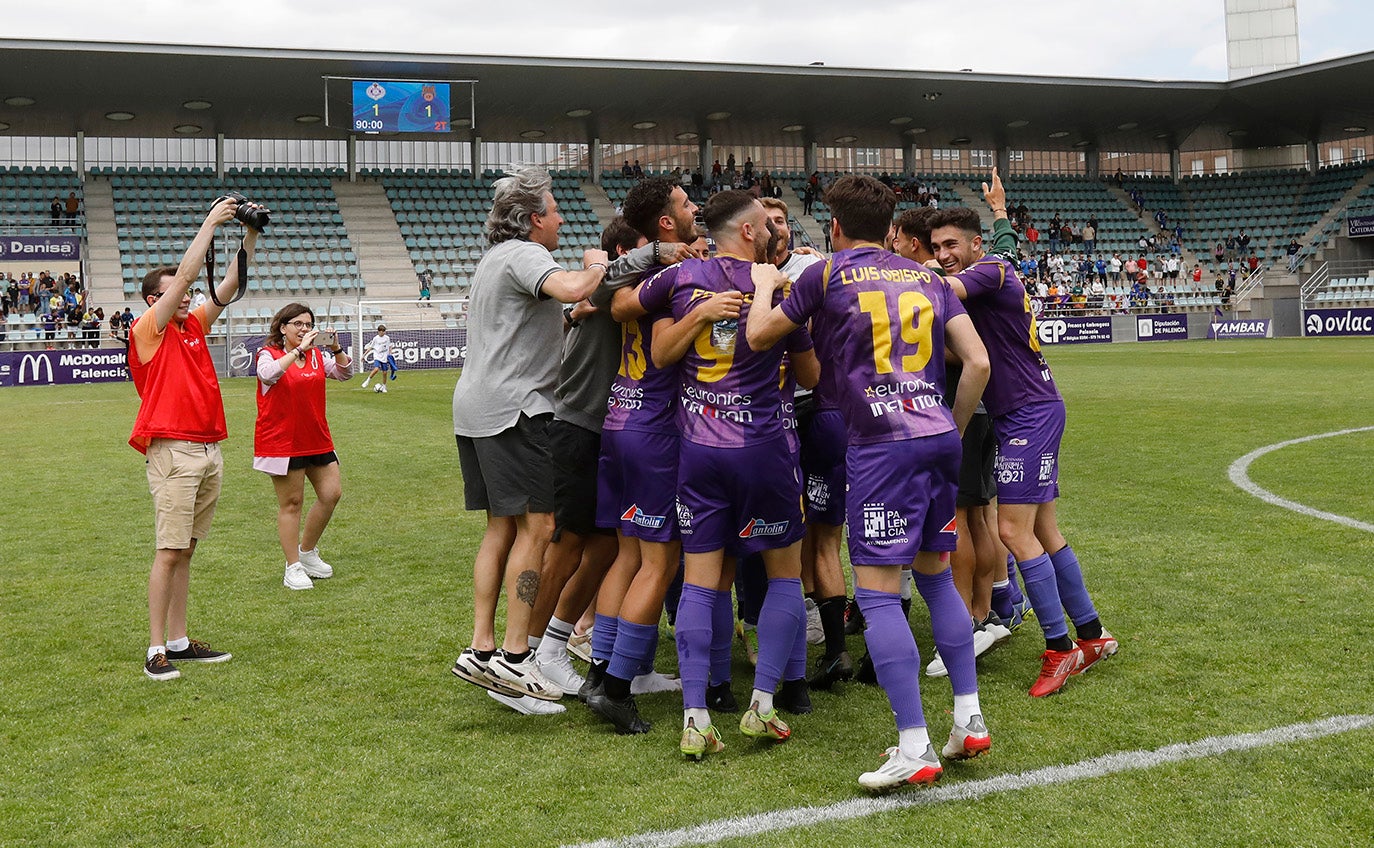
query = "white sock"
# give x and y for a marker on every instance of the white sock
(913, 742)
(179, 644)
(534, 642)
(558, 631)
(700, 717)
(965, 708)
(155, 650)
(764, 700)
(907, 580)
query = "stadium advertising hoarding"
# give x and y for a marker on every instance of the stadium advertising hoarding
(1259, 328)
(1074, 329)
(1359, 226)
(1161, 328)
(62, 367)
(243, 353)
(1338, 322)
(57, 248)
(445, 348)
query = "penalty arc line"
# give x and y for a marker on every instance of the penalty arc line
(1240, 475)
(1108, 764)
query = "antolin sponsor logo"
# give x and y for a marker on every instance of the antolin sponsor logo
(640, 518)
(759, 527)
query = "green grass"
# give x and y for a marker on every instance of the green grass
(337, 722)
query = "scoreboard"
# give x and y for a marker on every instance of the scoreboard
(400, 106)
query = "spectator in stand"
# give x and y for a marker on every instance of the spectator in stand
(51, 320)
(1230, 247)
(1219, 252)
(1056, 226)
(637, 171)
(715, 171)
(748, 167)
(1100, 266)
(1090, 238)
(1178, 233)
(808, 198)
(1130, 269)
(119, 332)
(198, 299)
(1098, 293)
(1243, 243)
(4, 323)
(1294, 251)
(291, 442)
(1032, 236)
(72, 207)
(55, 211)
(627, 171)
(1114, 266)
(127, 318)
(1197, 276)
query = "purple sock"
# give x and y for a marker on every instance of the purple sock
(694, 643)
(783, 611)
(603, 637)
(796, 661)
(722, 637)
(893, 651)
(951, 627)
(1043, 591)
(633, 642)
(1013, 583)
(1073, 592)
(648, 663)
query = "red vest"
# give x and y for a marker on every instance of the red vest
(291, 413)
(178, 387)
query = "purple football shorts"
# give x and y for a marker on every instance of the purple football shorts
(901, 498)
(1028, 452)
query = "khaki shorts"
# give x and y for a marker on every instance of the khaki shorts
(184, 478)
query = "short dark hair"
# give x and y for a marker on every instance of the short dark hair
(153, 278)
(957, 216)
(916, 223)
(863, 206)
(289, 312)
(620, 234)
(724, 207)
(646, 203)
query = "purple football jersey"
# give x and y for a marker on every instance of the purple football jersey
(1001, 312)
(879, 325)
(644, 397)
(729, 392)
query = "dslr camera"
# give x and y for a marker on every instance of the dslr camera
(257, 218)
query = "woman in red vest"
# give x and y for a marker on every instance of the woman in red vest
(292, 442)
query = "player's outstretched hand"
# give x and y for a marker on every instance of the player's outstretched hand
(995, 195)
(671, 253)
(808, 251)
(722, 305)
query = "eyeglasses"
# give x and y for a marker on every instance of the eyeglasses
(301, 325)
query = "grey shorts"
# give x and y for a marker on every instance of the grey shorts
(510, 473)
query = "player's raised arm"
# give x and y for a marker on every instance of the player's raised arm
(673, 338)
(767, 324)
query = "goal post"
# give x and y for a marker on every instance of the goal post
(424, 333)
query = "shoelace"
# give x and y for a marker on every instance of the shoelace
(159, 661)
(197, 646)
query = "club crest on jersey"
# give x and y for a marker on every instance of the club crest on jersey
(759, 527)
(640, 518)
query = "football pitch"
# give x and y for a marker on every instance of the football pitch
(1241, 622)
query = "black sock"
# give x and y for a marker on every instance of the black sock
(516, 658)
(832, 623)
(617, 688)
(484, 656)
(1089, 629)
(1063, 643)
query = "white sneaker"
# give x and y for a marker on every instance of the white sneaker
(296, 578)
(367, 382)
(559, 671)
(580, 646)
(983, 640)
(647, 684)
(937, 667)
(528, 706)
(900, 770)
(523, 678)
(382, 388)
(968, 741)
(314, 566)
(815, 634)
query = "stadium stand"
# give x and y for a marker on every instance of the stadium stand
(305, 249)
(26, 194)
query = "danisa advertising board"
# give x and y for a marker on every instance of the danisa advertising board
(18, 248)
(1338, 322)
(1074, 329)
(60, 367)
(1161, 328)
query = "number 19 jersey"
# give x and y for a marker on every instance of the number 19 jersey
(878, 321)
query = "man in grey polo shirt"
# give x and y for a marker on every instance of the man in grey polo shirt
(502, 405)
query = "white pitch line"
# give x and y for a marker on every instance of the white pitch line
(1125, 761)
(1240, 475)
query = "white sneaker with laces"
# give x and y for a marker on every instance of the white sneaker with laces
(523, 678)
(580, 646)
(367, 382)
(528, 706)
(900, 770)
(559, 670)
(296, 578)
(937, 667)
(647, 684)
(815, 634)
(314, 566)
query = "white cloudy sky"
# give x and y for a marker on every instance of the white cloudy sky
(1149, 39)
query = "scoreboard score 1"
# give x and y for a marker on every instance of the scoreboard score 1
(407, 107)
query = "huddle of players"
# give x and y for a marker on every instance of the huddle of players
(699, 454)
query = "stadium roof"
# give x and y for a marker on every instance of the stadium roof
(258, 93)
